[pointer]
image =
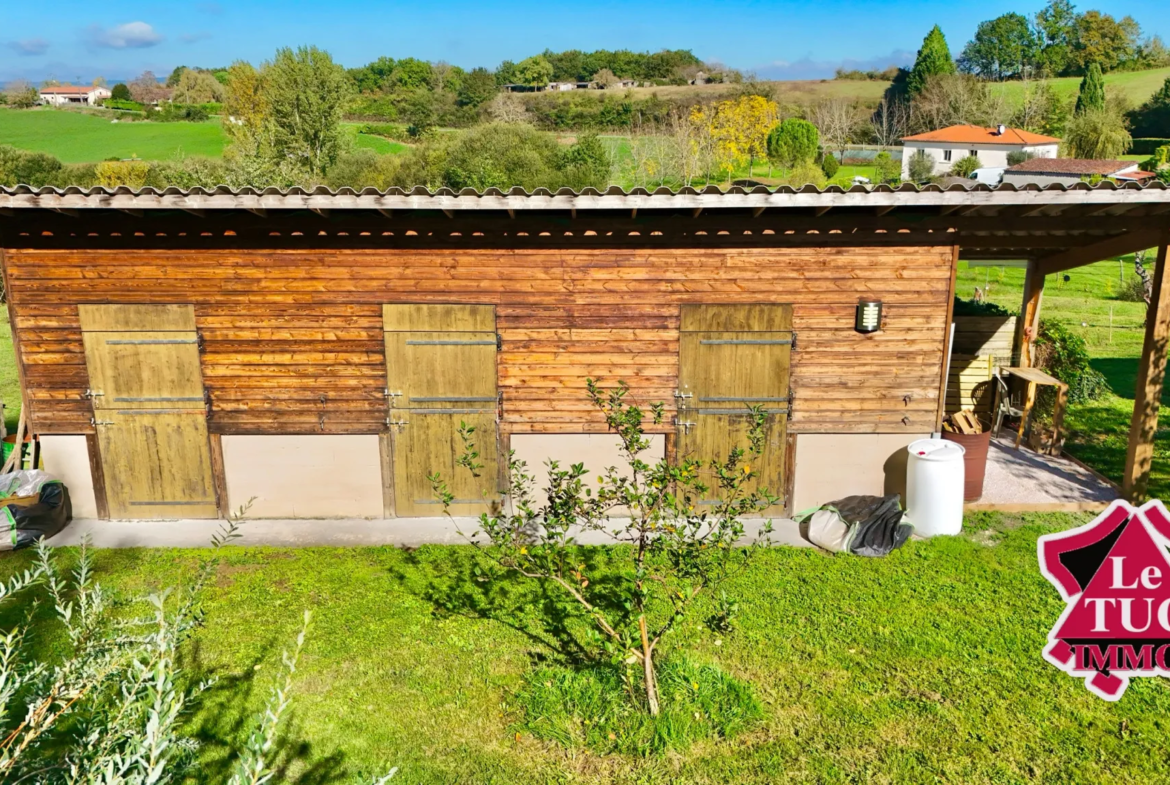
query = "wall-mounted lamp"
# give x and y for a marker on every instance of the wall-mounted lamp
(869, 316)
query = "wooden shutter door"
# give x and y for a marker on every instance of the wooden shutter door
(148, 404)
(732, 357)
(441, 374)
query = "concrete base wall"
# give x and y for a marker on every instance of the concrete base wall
(67, 458)
(830, 466)
(304, 476)
(598, 451)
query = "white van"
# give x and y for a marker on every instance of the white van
(989, 175)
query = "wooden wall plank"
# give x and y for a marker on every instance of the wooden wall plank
(292, 341)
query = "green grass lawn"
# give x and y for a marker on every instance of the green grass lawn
(1087, 303)
(9, 380)
(78, 138)
(922, 667)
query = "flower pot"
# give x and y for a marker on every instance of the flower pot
(974, 461)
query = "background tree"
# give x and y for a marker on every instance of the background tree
(957, 99)
(121, 92)
(740, 129)
(477, 87)
(304, 91)
(606, 78)
(886, 168)
(934, 58)
(890, 121)
(1103, 40)
(411, 74)
(1092, 91)
(793, 141)
(20, 94)
(839, 122)
(146, 89)
(1152, 119)
(1097, 133)
(1056, 31)
(534, 71)
(197, 87)
(245, 106)
(1002, 48)
(1041, 110)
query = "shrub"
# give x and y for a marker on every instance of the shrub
(1097, 133)
(979, 308)
(921, 167)
(22, 167)
(1065, 355)
(1132, 291)
(392, 131)
(965, 166)
(888, 170)
(132, 174)
(120, 92)
(805, 173)
(122, 105)
(1018, 157)
(829, 165)
(1147, 146)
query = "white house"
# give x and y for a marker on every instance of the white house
(1070, 171)
(73, 94)
(990, 145)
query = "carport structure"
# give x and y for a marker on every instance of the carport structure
(300, 318)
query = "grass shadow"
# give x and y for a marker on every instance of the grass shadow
(1121, 373)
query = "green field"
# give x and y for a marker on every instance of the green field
(1136, 86)
(79, 138)
(74, 137)
(921, 667)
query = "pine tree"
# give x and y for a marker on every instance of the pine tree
(934, 58)
(1092, 95)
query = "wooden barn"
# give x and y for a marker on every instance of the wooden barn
(183, 352)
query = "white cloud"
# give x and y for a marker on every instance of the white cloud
(807, 68)
(29, 47)
(132, 35)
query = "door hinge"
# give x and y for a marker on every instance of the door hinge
(387, 394)
(398, 424)
(685, 425)
(680, 395)
(499, 342)
(92, 394)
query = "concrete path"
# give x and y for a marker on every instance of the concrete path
(338, 533)
(1024, 477)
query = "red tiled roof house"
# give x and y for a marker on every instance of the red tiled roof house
(990, 145)
(61, 95)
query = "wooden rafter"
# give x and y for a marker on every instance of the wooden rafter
(1098, 251)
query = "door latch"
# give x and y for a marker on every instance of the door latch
(399, 424)
(95, 421)
(386, 393)
(91, 394)
(679, 394)
(685, 425)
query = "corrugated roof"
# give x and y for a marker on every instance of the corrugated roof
(1101, 166)
(977, 134)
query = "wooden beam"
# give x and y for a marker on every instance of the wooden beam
(758, 211)
(449, 213)
(1147, 398)
(386, 213)
(696, 212)
(886, 208)
(131, 211)
(260, 211)
(1029, 320)
(321, 211)
(633, 213)
(69, 211)
(819, 211)
(7, 212)
(1099, 251)
(511, 213)
(195, 211)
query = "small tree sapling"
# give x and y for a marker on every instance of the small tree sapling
(683, 537)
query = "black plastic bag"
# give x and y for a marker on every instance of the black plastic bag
(876, 522)
(27, 524)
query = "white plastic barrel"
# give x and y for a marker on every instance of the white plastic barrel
(934, 487)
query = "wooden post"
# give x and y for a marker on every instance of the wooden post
(1148, 395)
(947, 334)
(1029, 321)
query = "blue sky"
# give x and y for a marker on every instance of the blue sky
(779, 40)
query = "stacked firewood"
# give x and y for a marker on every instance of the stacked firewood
(964, 422)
